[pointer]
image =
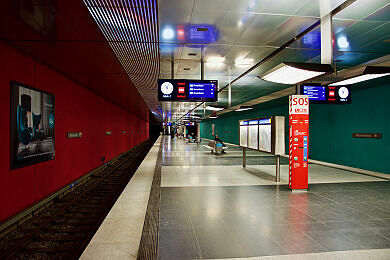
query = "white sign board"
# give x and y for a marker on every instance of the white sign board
(244, 135)
(265, 142)
(299, 105)
(263, 134)
(252, 138)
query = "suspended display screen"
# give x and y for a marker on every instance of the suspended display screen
(187, 90)
(314, 92)
(327, 95)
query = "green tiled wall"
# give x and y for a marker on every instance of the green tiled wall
(331, 127)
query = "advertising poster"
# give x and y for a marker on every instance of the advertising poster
(32, 126)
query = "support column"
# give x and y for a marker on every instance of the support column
(201, 64)
(244, 157)
(172, 65)
(326, 33)
(229, 89)
(277, 178)
(198, 133)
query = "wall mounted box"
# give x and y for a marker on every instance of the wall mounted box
(367, 135)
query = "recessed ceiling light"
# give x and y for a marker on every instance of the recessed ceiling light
(370, 72)
(342, 42)
(168, 33)
(216, 59)
(243, 62)
(296, 72)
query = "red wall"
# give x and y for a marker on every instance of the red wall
(76, 109)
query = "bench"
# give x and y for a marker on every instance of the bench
(212, 145)
(190, 140)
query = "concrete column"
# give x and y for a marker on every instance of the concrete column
(198, 133)
(326, 33)
(229, 89)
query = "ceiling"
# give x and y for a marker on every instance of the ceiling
(243, 32)
(64, 36)
(119, 48)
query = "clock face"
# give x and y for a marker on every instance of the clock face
(343, 92)
(166, 88)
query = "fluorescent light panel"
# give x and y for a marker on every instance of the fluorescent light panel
(370, 72)
(358, 79)
(293, 73)
(243, 108)
(214, 108)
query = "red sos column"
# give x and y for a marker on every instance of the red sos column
(299, 141)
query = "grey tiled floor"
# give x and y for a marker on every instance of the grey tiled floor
(265, 220)
(244, 221)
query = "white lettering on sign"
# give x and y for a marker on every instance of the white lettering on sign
(299, 104)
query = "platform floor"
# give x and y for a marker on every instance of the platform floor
(212, 208)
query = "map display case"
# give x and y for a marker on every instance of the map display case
(263, 134)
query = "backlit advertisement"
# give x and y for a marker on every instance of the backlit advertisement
(32, 125)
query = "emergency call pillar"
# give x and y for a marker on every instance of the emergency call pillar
(298, 142)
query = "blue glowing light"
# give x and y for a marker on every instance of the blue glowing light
(342, 42)
(168, 33)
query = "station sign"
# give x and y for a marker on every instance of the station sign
(187, 90)
(298, 141)
(326, 95)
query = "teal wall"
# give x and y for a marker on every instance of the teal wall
(331, 127)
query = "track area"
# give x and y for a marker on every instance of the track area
(63, 228)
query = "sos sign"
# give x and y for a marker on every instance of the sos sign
(299, 105)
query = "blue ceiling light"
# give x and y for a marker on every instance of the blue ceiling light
(342, 42)
(168, 33)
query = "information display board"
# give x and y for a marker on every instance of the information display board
(263, 134)
(327, 95)
(253, 131)
(187, 90)
(244, 134)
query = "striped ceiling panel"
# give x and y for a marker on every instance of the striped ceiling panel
(131, 29)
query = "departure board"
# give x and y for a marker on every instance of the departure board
(314, 92)
(187, 90)
(201, 90)
(326, 94)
